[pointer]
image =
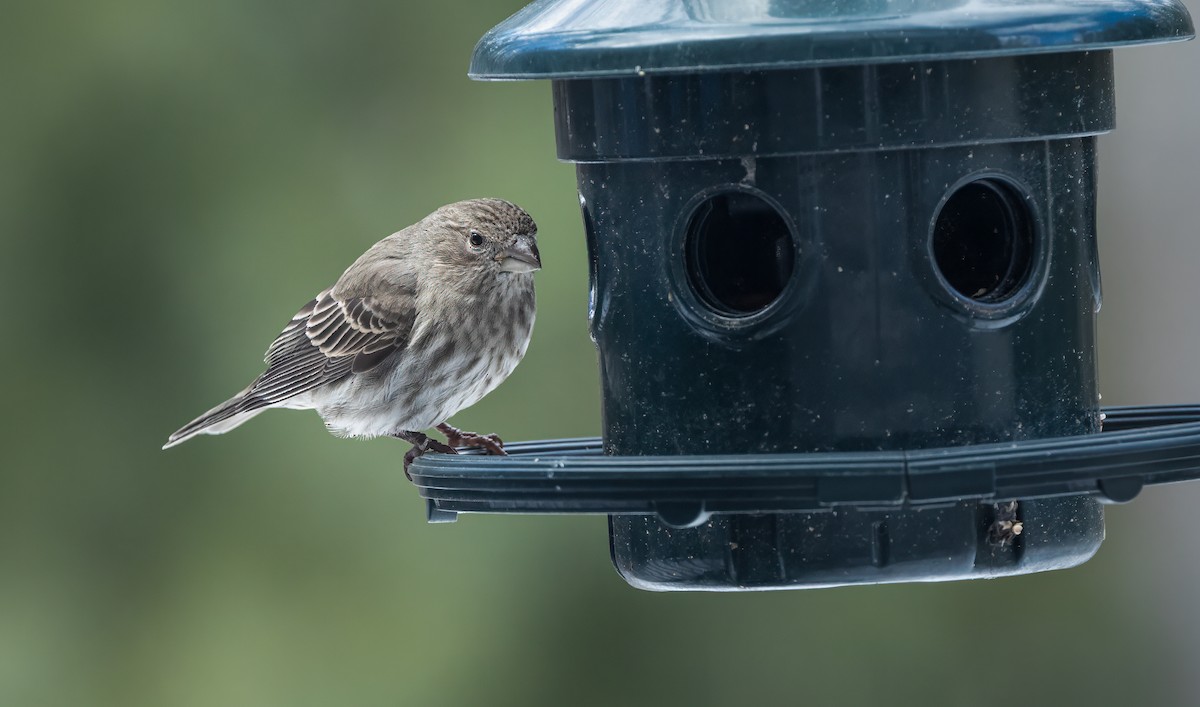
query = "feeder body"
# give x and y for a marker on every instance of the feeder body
(865, 346)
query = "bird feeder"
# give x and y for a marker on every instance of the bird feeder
(844, 284)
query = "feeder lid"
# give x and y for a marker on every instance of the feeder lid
(607, 38)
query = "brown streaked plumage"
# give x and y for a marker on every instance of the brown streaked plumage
(422, 325)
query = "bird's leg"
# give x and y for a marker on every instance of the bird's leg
(492, 444)
(421, 443)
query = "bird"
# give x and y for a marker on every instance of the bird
(425, 323)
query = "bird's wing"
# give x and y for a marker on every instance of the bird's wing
(330, 338)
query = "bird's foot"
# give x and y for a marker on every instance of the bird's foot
(492, 444)
(421, 443)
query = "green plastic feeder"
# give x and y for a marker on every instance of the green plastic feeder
(844, 284)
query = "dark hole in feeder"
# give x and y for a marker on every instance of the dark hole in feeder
(739, 253)
(983, 241)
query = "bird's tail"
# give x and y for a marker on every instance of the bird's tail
(221, 419)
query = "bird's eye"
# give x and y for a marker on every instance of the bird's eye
(476, 239)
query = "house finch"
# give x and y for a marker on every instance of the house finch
(425, 323)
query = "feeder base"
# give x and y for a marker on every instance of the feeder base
(740, 552)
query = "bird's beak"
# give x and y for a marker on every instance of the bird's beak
(521, 256)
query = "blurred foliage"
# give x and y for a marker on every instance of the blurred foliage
(177, 178)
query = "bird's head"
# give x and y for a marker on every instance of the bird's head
(489, 237)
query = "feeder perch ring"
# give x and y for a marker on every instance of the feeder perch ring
(1140, 446)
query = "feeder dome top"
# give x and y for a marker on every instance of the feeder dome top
(611, 38)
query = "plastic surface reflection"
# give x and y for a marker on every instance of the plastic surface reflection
(577, 38)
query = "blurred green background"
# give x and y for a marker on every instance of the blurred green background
(178, 177)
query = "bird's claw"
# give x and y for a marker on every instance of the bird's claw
(421, 443)
(489, 443)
